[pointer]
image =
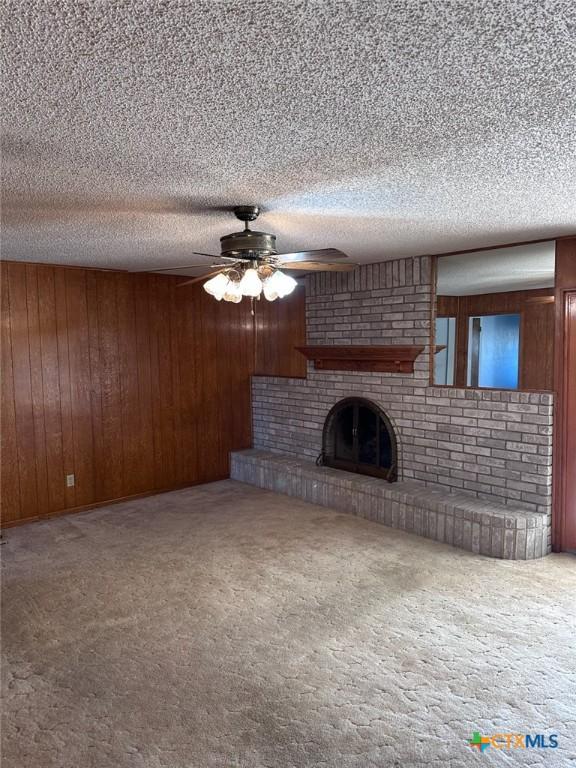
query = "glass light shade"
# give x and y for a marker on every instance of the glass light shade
(281, 284)
(233, 292)
(216, 286)
(269, 291)
(251, 285)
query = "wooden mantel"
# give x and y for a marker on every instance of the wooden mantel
(389, 359)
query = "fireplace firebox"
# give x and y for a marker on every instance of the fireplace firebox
(359, 437)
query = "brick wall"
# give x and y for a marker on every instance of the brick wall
(496, 445)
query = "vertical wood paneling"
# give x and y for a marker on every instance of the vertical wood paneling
(112, 459)
(65, 382)
(24, 423)
(51, 388)
(208, 392)
(37, 384)
(537, 347)
(9, 477)
(128, 381)
(93, 334)
(166, 392)
(80, 385)
(158, 404)
(239, 378)
(146, 460)
(133, 439)
(174, 340)
(280, 327)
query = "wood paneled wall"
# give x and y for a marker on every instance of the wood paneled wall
(536, 331)
(124, 380)
(280, 327)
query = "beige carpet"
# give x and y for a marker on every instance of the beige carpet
(227, 626)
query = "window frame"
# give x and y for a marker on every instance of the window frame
(463, 321)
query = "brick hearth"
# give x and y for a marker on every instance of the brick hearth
(424, 509)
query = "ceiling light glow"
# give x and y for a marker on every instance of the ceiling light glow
(251, 285)
(229, 286)
(217, 285)
(281, 283)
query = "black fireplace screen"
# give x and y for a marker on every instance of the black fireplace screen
(359, 437)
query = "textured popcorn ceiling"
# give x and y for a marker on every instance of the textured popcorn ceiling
(382, 128)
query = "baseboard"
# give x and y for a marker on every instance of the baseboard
(106, 503)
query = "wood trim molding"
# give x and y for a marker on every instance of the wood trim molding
(383, 359)
(499, 246)
(98, 504)
(564, 503)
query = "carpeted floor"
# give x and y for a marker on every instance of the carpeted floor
(227, 626)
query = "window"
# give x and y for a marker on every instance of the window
(494, 318)
(445, 347)
(493, 351)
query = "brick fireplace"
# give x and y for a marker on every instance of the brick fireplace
(495, 446)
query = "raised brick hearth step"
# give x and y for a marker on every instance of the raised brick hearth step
(425, 509)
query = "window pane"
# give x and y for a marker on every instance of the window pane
(444, 359)
(493, 351)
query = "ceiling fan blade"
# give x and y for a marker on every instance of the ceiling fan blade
(192, 266)
(319, 266)
(202, 277)
(319, 255)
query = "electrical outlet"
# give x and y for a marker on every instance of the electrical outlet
(70, 481)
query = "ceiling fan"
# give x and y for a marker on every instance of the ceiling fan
(249, 264)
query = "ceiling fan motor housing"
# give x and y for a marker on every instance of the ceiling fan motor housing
(247, 212)
(244, 244)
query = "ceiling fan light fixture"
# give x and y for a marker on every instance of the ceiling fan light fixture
(251, 264)
(251, 285)
(270, 292)
(281, 284)
(217, 286)
(233, 292)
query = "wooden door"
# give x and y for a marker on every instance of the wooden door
(566, 466)
(564, 509)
